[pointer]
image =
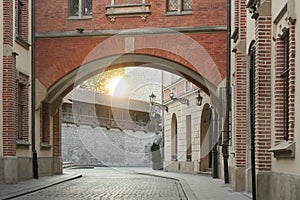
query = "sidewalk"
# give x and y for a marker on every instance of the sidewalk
(195, 186)
(10, 191)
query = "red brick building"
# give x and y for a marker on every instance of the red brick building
(265, 89)
(77, 39)
(83, 38)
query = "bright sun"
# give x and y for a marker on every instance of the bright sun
(117, 86)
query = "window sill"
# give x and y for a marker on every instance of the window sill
(22, 144)
(22, 42)
(285, 149)
(86, 17)
(177, 13)
(174, 158)
(45, 146)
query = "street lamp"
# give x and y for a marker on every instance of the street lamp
(199, 99)
(152, 98)
(153, 102)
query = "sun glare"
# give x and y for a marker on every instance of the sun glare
(117, 86)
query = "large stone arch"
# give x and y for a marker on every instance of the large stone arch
(63, 62)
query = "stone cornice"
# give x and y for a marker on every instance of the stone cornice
(193, 29)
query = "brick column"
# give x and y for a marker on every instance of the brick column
(263, 93)
(241, 110)
(9, 91)
(9, 96)
(279, 88)
(57, 160)
(292, 82)
(240, 101)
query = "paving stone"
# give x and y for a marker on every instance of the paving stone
(107, 183)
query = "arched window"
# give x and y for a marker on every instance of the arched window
(174, 138)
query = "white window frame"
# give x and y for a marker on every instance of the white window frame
(179, 10)
(81, 11)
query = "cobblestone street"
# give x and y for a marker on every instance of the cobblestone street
(110, 183)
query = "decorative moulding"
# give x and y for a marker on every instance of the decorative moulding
(128, 10)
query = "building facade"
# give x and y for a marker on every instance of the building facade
(84, 38)
(94, 122)
(70, 37)
(193, 128)
(15, 90)
(264, 97)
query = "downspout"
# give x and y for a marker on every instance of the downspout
(228, 95)
(34, 153)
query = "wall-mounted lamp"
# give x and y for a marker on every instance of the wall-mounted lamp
(80, 30)
(181, 100)
(252, 9)
(152, 98)
(199, 99)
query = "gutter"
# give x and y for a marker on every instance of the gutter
(228, 96)
(34, 153)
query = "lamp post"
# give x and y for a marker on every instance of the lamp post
(155, 125)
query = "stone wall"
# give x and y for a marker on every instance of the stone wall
(85, 145)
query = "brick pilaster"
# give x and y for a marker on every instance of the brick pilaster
(240, 91)
(241, 110)
(292, 81)
(8, 22)
(9, 88)
(279, 88)
(263, 34)
(57, 134)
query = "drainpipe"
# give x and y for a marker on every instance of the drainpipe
(228, 95)
(34, 153)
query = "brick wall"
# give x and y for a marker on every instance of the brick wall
(292, 54)
(54, 16)
(240, 89)
(8, 22)
(263, 33)
(53, 54)
(241, 110)
(9, 101)
(9, 90)
(57, 134)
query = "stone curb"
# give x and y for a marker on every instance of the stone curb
(42, 185)
(185, 186)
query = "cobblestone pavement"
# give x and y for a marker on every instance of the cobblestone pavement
(109, 183)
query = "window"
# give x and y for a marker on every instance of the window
(81, 8)
(45, 123)
(285, 77)
(23, 107)
(188, 138)
(188, 86)
(179, 5)
(20, 18)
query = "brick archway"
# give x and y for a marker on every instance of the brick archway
(64, 62)
(61, 62)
